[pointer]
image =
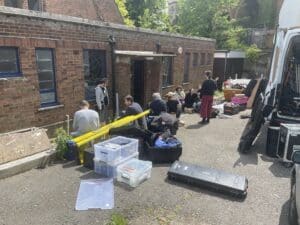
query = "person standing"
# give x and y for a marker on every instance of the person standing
(133, 108)
(102, 100)
(85, 120)
(207, 96)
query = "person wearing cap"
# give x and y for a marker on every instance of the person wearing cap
(157, 105)
(133, 108)
(85, 120)
(207, 92)
(102, 100)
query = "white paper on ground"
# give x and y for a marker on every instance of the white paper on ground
(95, 194)
(219, 107)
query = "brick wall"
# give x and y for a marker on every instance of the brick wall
(104, 10)
(20, 98)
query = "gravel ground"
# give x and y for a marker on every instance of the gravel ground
(47, 197)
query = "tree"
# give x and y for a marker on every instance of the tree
(267, 13)
(124, 12)
(212, 18)
(149, 14)
(249, 13)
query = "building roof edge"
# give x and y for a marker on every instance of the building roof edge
(69, 19)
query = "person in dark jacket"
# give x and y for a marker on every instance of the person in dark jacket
(191, 98)
(157, 105)
(173, 105)
(207, 92)
(133, 108)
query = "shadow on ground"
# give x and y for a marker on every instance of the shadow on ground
(204, 191)
(259, 147)
(246, 159)
(195, 126)
(279, 170)
(283, 220)
(91, 175)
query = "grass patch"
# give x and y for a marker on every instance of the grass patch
(117, 219)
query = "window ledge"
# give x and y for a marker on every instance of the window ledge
(185, 83)
(50, 108)
(13, 78)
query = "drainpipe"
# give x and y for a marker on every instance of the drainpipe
(225, 66)
(112, 43)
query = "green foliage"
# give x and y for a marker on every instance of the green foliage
(61, 139)
(258, 13)
(248, 13)
(212, 18)
(149, 14)
(252, 53)
(124, 12)
(117, 219)
(267, 13)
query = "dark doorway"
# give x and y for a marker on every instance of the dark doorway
(138, 81)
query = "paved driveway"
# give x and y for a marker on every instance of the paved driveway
(47, 197)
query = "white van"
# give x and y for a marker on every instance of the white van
(279, 102)
(282, 94)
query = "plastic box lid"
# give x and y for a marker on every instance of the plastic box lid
(114, 148)
(116, 142)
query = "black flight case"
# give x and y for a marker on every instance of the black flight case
(289, 138)
(216, 180)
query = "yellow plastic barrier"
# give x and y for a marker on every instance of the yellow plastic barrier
(88, 137)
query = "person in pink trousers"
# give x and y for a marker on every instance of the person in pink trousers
(207, 97)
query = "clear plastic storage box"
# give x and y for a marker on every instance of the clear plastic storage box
(110, 169)
(134, 172)
(114, 149)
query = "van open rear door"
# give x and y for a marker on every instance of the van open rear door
(283, 91)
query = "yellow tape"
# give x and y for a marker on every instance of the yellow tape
(85, 138)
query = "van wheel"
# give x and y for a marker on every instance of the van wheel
(293, 215)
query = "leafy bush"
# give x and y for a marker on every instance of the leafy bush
(61, 142)
(117, 219)
(252, 53)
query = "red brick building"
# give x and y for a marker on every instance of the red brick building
(49, 62)
(104, 10)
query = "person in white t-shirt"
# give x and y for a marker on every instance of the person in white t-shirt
(85, 120)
